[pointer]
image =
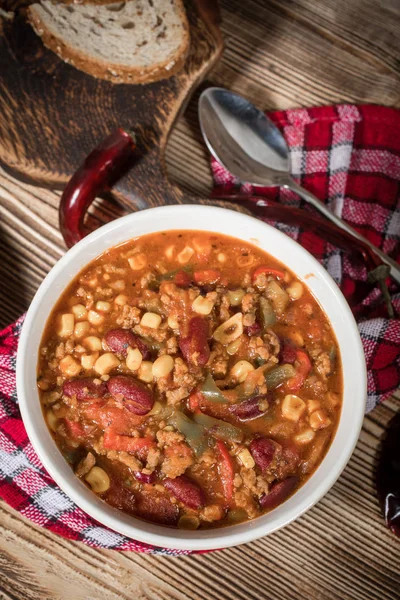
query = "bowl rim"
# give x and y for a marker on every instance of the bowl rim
(158, 535)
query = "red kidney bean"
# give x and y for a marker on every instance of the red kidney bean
(194, 346)
(288, 353)
(135, 395)
(250, 409)
(84, 389)
(254, 329)
(279, 492)
(157, 507)
(263, 450)
(118, 341)
(182, 279)
(145, 477)
(185, 491)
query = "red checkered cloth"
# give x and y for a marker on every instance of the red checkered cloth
(346, 155)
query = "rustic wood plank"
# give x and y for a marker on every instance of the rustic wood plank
(281, 54)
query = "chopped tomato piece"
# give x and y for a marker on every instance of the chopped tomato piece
(75, 428)
(303, 369)
(194, 401)
(225, 469)
(207, 276)
(268, 271)
(125, 443)
(120, 419)
(178, 450)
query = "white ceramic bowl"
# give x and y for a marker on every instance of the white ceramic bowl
(277, 244)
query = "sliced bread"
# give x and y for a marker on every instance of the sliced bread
(137, 41)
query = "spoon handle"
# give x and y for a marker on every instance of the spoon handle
(308, 197)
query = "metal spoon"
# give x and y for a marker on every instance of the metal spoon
(252, 148)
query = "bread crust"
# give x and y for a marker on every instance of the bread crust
(108, 70)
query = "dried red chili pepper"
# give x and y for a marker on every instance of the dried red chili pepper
(101, 168)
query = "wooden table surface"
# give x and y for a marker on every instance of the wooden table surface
(281, 54)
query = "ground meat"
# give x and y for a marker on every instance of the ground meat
(69, 346)
(257, 485)
(178, 458)
(153, 459)
(249, 319)
(213, 512)
(218, 361)
(314, 387)
(182, 376)
(248, 478)
(323, 365)
(208, 457)
(104, 292)
(224, 313)
(172, 345)
(237, 481)
(127, 459)
(258, 349)
(85, 465)
(159, 335)
(273, 342)
(250, 303)
(166, 438)
(129, 317)
(60, 351)
(245, 500)
(175, 396)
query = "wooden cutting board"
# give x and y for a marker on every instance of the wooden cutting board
(53, 115)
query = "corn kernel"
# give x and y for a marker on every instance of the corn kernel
(146, 371)
(103, 306)
(185, 255)
(221, 257)
(150, 319)
(293, 407)
(80, 312)
(106, 363)
(94, 318)
(162, 366)
(133, 359)
(69, 366)
(137, 261)
(313, 405)
(117, 285)
(233, 347)
(98, 480)
(319, 420)
(93, 343)
(295, 290)
(305, 437)
(235, 297)
(246, 459)
(88, 360)
(201, 245)
(81, 329)
(241, 369)
(121, 300)
(169, 252)
(202, 306)
(66, 325)
(173, 322)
